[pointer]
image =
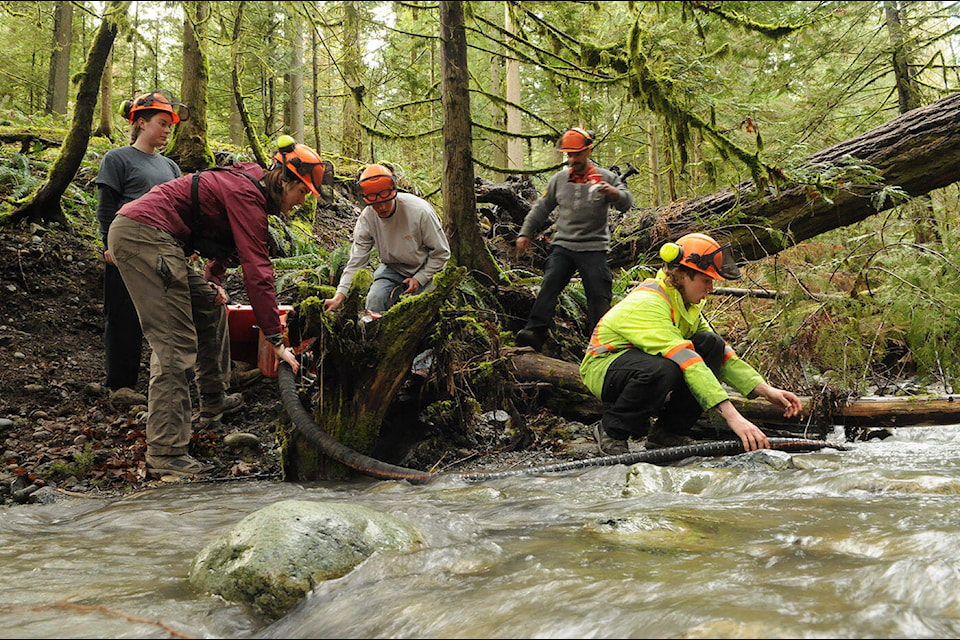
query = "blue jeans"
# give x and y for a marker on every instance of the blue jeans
(387, 287)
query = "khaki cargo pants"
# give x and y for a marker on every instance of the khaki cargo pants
(186, 332)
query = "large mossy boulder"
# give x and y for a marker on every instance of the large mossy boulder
(272, 558)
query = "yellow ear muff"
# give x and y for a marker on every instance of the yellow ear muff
(671, 252)
(286, 143)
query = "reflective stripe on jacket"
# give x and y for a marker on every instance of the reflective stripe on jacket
(654, 318)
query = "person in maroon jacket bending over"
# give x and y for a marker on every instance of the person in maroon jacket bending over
(221, 214)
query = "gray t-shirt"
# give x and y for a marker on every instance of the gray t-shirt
(130, 173)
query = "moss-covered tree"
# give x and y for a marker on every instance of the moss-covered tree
(44, 205)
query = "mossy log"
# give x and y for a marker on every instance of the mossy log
(815, 420)
(917, 152)
(360, 365)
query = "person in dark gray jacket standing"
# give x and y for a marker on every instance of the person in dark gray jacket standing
(583, 194)
(126, 173)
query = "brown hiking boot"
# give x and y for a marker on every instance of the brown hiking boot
(216, 405)
(608, 445)
(125, 396)
(183, 465)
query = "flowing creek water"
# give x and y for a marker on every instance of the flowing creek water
(849, 544)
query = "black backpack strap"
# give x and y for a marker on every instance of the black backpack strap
(195, 191)
(208, 247)
(195, 196)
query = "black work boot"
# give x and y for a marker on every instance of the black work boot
(531, 338)
(662, 437)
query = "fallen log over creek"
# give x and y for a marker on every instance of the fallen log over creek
(819, 415)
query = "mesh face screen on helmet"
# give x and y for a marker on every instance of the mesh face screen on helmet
(575, 139)
(160, 100)
(301, 162)
(704, 254)
(377, 184)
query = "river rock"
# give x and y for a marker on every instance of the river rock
(241, 440)
(272, 558)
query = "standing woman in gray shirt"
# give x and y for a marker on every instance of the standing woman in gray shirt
(126, 173)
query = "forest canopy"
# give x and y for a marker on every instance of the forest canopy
(690, 97)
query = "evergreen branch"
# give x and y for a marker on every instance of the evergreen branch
(654, 91)
(521, 57)
(546, 137)
(399, 136)
(549, 28)
(509, 171)
(540, 50)
(773, 31)
(503, 101)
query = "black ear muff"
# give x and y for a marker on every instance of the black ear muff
(591, 135)
(125, 109)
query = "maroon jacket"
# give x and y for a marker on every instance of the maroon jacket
(233, 211)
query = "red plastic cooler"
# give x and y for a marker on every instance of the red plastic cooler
(247, 343)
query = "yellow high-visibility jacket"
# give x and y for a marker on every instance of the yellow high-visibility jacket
(654, 318)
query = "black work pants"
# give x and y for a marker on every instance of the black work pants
(558, 269)
(639, 386)
(122, 336)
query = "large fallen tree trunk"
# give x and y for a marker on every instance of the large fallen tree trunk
(818, 417)
(917, 152)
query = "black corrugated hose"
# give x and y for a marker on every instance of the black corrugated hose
(304, 423)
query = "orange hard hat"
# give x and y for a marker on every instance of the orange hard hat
(299, 161)
(704, 254)
(159, 100)
(575, 139)
(377, 184)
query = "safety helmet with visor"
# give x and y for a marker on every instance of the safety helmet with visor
(575, 139)
(159, 100)
(377, 184)
(299, 162)
(702, 253)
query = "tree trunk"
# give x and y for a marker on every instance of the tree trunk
(498, 117)
(908, 96)
(238, 100)
(467, 247)
(352, 142)
(188, 145)
(105, 128)
(359, 367)
(58, 81)
(295, 125)
(514, 123)
(653, 160)
(45, 203)
(918, 152)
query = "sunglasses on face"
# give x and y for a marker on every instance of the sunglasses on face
(380, 196)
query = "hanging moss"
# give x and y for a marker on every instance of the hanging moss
(770, 30)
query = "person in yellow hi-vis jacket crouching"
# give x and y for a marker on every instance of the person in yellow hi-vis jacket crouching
(654, 355)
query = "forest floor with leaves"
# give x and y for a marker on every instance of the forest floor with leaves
(61, 432)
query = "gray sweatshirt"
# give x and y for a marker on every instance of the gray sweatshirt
(411, 241)
(582, 222)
